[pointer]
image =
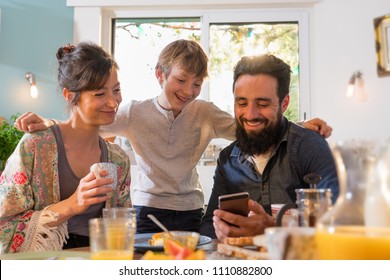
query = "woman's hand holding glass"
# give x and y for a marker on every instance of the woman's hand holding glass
(90, 191)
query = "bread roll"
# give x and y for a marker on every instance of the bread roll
(242, 253)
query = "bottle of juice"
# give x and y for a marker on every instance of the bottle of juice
(355, 227)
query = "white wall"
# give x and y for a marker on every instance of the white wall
(342, 41)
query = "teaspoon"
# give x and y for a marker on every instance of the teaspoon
(157, 222)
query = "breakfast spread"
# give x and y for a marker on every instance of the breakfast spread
(235, 247)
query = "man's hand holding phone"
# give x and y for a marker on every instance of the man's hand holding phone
(236, 203)
(228, 224)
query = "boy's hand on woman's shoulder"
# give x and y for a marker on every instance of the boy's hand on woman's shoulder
(29, 122)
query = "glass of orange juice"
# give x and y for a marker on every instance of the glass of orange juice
(111, 238)
(353, 243)
(120, 212)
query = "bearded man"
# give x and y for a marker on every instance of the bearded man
(271, 154)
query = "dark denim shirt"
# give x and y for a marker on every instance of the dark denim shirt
(299, 151)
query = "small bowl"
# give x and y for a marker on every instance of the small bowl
(188, 239)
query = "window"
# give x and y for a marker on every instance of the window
(229, 42)
(137, 43)
(136, 46)
(95, 22)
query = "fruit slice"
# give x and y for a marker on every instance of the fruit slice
(197, 255)
(183, 253)
(172, 247)
(149, 255)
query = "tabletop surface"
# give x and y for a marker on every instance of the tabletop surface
(211, 249)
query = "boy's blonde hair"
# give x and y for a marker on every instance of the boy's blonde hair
(186, 54)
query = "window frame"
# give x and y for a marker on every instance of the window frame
(95, 24)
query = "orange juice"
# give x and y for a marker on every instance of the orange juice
(111, 238)
(116, 237)
(112, 255)
(353, 243)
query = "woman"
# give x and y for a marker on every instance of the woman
(47, 191)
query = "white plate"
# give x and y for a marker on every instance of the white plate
(141, 242)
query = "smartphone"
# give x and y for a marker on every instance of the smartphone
(236, 203)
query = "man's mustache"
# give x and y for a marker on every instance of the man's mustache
(262, 120)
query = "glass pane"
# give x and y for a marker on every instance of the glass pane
(136, 47)
(138, 43)
(229, 42)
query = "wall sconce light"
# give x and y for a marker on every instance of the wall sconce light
(33, 86)
(356, 87)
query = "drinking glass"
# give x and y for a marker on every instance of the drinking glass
(110, 167)
(121, 212)
(111, 238)
(289, 243)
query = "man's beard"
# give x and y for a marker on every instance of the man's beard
(257, 143)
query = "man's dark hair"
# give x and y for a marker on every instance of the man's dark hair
(265, 64)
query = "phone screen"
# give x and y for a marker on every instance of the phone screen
(236, 203)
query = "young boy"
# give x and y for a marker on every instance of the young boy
(169, 134)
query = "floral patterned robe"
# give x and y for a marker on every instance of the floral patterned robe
(30, 183)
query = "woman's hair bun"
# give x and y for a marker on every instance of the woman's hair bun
(65, 50)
